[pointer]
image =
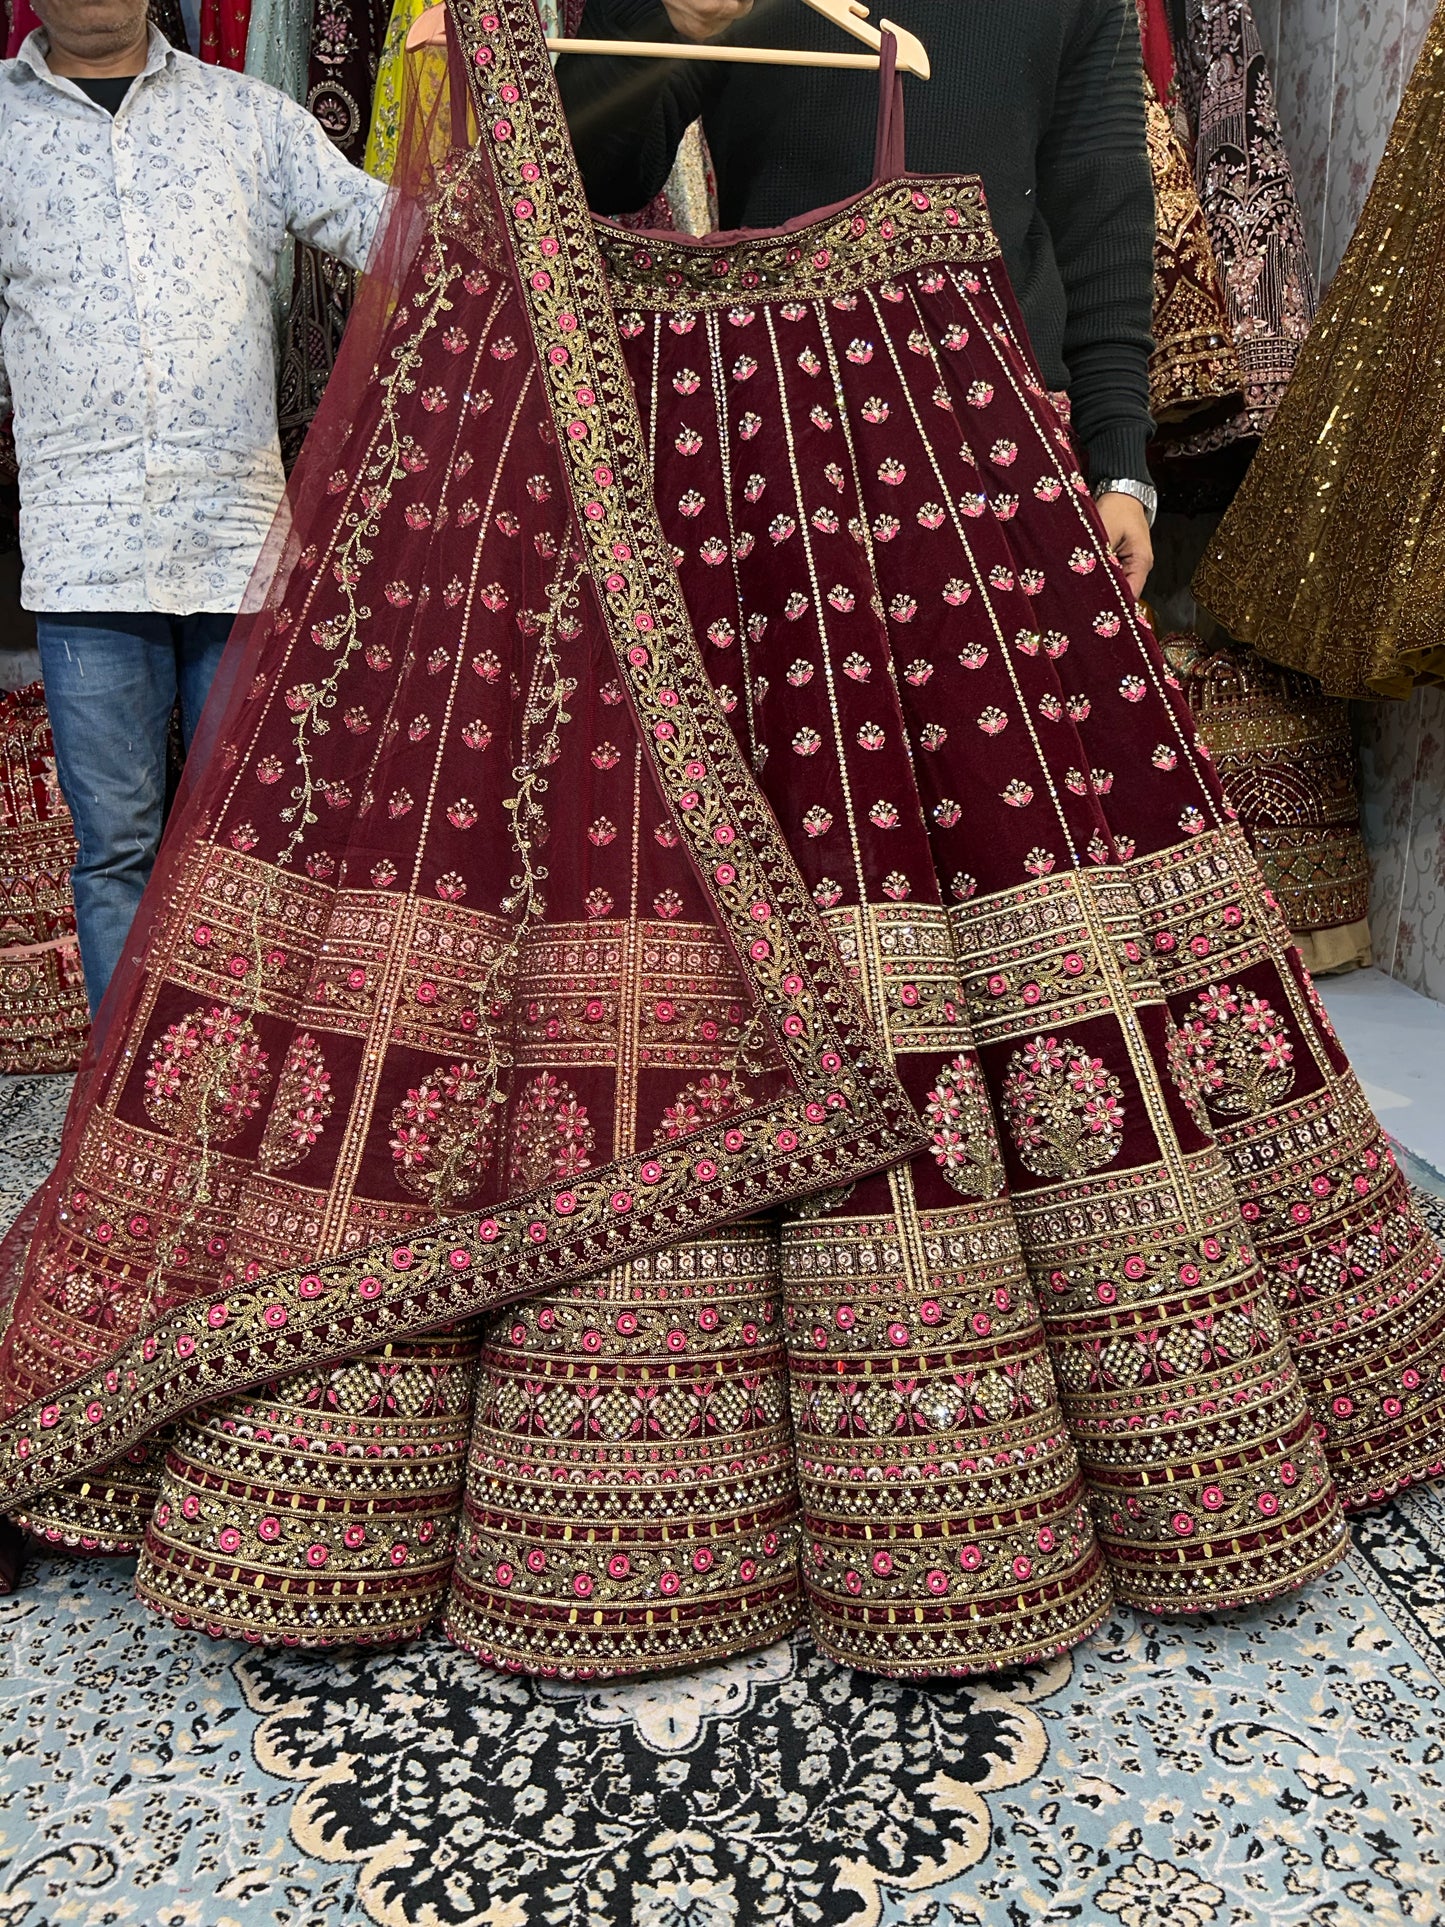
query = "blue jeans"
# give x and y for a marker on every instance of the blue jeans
(111, 682)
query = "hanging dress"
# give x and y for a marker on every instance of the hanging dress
(1257, 235)
(388, 105)
(1194, 371)
(1139, 1299)
(44, 1016)
(1285, 757)
(1332, 559)
(346, 42)
(225, 28)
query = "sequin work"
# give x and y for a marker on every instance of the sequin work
(1194, 366)
(1332, 558)
(1142, 1302)
(409, 1030)
(1286, 759)
(44, 1017)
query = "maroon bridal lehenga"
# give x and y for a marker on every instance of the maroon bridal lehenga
(704, 1051)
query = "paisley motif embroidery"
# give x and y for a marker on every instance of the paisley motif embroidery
(1064, 1109)
(1181, 1068)
(958, 1114)
(444, 1130)
(711, 1097)
(1239, 1049)
(207, 1073)
(303, 1102)
(552, 1136)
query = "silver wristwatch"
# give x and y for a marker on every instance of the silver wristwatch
(1141, 492)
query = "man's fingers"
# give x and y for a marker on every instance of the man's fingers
(701, 19)
(1127, 529)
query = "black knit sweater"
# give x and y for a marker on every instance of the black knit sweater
(1043, 98)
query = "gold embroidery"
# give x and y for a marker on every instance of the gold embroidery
(1064, 1109)
(900, 225)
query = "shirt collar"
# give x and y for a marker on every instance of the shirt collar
(33, 49)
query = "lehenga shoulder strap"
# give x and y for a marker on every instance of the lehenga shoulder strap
(889, 153)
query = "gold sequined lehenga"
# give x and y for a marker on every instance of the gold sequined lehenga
(1332, 558)
(474, 1206)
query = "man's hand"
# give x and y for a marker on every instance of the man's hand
(701, 19)
(1127, 527)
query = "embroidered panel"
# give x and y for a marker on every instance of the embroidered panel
(631, 1497)
(44, 1016)
(1286, 759)
(912, 622)
(324, 1507)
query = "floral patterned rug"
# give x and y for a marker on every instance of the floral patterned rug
(1284, 1766)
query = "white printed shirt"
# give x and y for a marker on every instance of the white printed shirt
(137, 256)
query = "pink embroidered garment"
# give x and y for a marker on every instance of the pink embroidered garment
(420, 1030)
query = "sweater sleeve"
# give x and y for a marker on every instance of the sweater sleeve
(627, 116)
(1097, 196)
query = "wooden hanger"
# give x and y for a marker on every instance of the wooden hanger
(850, 15)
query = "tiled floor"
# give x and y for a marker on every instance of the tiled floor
(1396, 1041)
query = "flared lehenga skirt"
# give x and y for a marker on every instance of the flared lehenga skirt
(1151, 1306)
(1150, 1248)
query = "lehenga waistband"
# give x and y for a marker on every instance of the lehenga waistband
(894, 226)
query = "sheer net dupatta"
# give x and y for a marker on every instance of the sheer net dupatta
(474, 961)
